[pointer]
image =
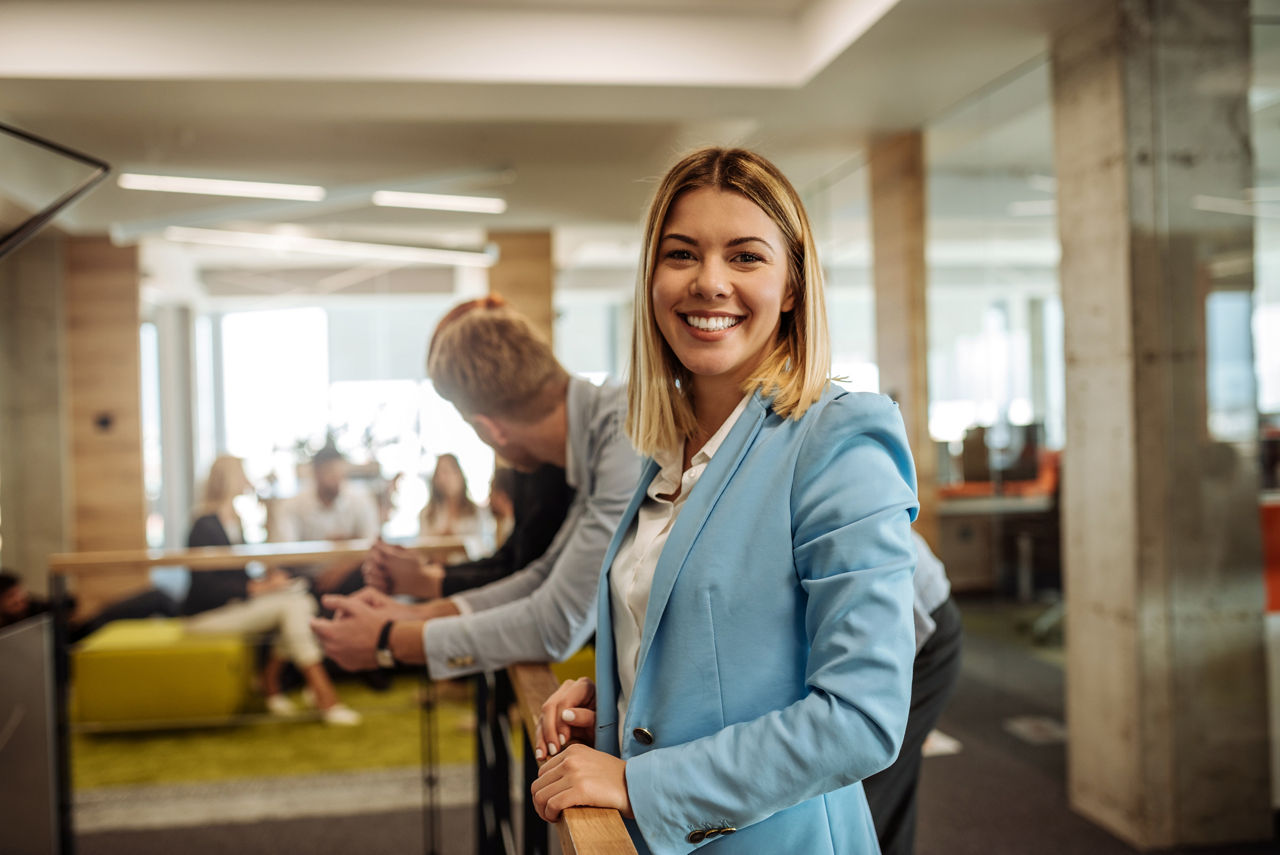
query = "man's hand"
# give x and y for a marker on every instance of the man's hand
(581, 776)
(388, 608)
(352, 636)
(390, 568)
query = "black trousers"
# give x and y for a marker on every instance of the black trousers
(892, 793)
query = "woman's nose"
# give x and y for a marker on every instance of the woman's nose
(712, 280)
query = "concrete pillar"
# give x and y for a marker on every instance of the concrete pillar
(1166, 694)
(525, 275)
(33, 441)
(104, 405)
(902, 332)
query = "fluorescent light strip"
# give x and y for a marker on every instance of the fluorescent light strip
(440, 202)
(1033, 208)
(322, 246)
(220, 187)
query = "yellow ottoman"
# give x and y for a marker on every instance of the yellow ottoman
(150, 672)
(580, 664)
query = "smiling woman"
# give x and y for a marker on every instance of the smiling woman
(765, 559)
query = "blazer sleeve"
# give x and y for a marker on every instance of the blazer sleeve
(852, 502)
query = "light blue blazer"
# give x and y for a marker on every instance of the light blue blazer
(775, 660)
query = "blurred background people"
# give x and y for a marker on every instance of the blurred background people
(332, 509)
(276, 606)
(450, 510)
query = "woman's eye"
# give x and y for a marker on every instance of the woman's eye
(748, 258)
(680, 255)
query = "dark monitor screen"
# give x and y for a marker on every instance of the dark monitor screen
(38, 178)
(29, 759)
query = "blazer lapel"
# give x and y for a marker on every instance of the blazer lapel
(606, 655)
(697, 506)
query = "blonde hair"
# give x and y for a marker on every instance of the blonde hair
(487, 359)
(660, 412)
(226, 480)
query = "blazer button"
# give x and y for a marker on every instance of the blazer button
(728, 830)
(696, 837)
(711, 832)
(644, 737)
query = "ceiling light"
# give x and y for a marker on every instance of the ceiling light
(440, 202)
(1033, 208)
(220, 187)
(322, 246)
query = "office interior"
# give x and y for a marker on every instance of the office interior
(1049, 231)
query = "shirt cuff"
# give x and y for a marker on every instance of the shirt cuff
(446, 648)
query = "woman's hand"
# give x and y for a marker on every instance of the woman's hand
(581, 776)
(570, 713)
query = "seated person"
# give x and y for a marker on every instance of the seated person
(333, 509)
(278, 606)
(17, 604)
(505, 381)
(539, 501)
(450, 512)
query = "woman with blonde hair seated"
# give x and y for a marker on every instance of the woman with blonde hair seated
(275, 605)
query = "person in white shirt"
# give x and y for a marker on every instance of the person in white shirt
(334, 509)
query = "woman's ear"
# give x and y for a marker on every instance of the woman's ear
(789, 299)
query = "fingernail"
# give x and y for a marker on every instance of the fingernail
(568, 715)
(563, 739)
(551, 749)
(538, 753)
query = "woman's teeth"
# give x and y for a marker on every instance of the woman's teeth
(715, 324)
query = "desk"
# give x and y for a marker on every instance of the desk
(981, 536)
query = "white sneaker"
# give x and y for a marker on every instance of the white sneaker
(342, 715)
(280, 705)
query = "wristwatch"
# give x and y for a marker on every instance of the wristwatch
(382, 655)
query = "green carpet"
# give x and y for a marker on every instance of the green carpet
(390, 736)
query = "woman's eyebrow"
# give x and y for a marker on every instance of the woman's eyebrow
(735, 242)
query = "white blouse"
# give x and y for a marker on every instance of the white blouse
(631, 576)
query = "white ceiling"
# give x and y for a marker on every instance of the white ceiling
(567, 108)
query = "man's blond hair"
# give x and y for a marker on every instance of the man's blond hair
(793, 375)
(487, 359)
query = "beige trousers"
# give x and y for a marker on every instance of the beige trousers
(285, 615)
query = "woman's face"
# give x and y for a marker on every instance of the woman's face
(447, 481)
(720, 286)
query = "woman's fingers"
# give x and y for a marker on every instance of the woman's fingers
(581, 776)
(575, 697)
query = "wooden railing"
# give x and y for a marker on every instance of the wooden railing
(582, 830)
(98, 577)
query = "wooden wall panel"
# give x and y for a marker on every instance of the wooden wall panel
(103, 392)
(524, 275)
